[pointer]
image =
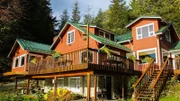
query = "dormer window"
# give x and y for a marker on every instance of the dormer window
(168, 36)
(105, 35)
(145, 31)
(70, 37)
(101, 33)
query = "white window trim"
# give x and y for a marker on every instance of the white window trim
(69, 84)
(20, 60)
(80, 60)
(15, 61)
(141, 31)
(70, 37)
(149, 49)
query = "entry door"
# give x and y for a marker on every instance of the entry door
(108, 87)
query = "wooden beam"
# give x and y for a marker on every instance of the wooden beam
(15, 83)
(88, 87)
(122, 88)
(27, 88)
(82, 73)
(55, 85)
(95, 87)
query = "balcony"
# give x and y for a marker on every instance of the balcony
(77, 61)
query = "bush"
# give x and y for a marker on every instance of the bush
(62, 95)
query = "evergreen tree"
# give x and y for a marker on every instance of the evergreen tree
(117, 17)
(88, 17)
(76, 13)
(99, 18)
(167, 9)
(63, 19)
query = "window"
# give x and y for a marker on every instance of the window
(22, 59)
(101, 33)
(19, 61)
(168, 36)
(84, 57)
(61, 82)
(145, 31)
(16, 62)
(107, 36)
(70, 37)
(75, 82)
(143, 55)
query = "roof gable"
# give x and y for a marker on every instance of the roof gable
(142, 17)
(31, 47)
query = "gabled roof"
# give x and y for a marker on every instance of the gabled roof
(31, 46)
(124, 37)
(163, 29)
(95, 37)
(108, 42)
(143, 17)
(175, 46)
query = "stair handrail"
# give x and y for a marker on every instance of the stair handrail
(148, 67)
(160, 73)
(144, 78)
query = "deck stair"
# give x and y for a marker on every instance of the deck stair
(151, 83)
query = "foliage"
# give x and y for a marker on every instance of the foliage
(98, 21)
(117, 17)
(63, 19)
(106, 50)
(167, 9)
(88, 17)
(56, 54)
(171, 90)
(62, 95)
(76, 13)
(132, 57)
(131, 81)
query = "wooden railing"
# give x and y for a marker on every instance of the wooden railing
(144, 78)
(157, 84)
(77, 60)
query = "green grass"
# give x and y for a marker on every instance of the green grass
(169, 98)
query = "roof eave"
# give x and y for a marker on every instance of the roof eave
(127, 26)
(124, 41)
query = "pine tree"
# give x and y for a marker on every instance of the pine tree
(99, 18)
(63, 19)
(117, 17)
(88, 17)
(76, 13)
(167, 9)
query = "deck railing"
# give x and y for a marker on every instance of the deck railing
(144, 78)
(77, 60)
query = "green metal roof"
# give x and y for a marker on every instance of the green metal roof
(163, 28)
(176, 46)
(141, 17)
(123, 37)
(98, 38)
(34, 46)
(108, 42)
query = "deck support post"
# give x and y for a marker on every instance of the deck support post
(88, 87)
(55, 85)
(27, 88)
(15, 83)
(122, 88)
(95, 87)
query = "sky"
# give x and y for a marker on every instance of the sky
(58, 6)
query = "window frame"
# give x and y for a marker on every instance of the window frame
(146, 50)
(69, 38)
(79, 82)
(20, 60)
(63, 85)
(80, 60)
(140, 27)
(14, 62)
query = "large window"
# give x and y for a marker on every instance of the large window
(19, 61)
(145, 31)
(70, 37)
(61, 82)
(83, 57)
(75, 82)
(145, 54)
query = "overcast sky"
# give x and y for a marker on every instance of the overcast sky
(59, 5)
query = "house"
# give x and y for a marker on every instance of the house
(90, 59)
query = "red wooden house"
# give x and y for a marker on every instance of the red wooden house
(83, 67)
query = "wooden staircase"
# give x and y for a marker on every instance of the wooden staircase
(151, 83)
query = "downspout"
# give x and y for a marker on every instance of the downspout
(159, 53)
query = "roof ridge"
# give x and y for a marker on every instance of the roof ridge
(33, 42)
